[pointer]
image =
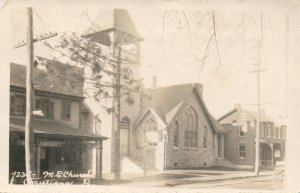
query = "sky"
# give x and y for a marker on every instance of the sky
(174, 46)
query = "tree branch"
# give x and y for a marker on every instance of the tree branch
(188, 25)
(215, 34)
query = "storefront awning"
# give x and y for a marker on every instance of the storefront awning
(54, 130)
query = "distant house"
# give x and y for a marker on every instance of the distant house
(240, 125)
(58, 124)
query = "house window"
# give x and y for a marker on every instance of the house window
(46, 106)
(242, 132)
(176, 135)
(242, 151)
(205, 135)
(191, 129)
(17, 105)
(66, 110)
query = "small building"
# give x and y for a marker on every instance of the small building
(61, 141)
(240, 125)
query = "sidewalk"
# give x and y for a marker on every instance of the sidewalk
(216, 178)
(185, 177)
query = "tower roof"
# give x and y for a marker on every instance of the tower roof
(112, 20)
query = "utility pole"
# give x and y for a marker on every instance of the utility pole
(29, 135)
(258, 71)
(118, 116)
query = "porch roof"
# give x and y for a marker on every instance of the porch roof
(54, 130)
(272, 141)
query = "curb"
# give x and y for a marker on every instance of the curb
(181, 182)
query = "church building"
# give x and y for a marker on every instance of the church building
(165, 127)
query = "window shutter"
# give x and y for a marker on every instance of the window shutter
(69, 110)
(62, 110)
(51, 110)
(24, 105)
(37, 104)
(12, 104)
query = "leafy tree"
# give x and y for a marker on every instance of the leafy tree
(100, 68)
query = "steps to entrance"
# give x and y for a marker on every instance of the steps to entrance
(128, 166)
(224, 163)
(134, 166)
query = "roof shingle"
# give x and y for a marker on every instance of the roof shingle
(59, 78)
(170, 98)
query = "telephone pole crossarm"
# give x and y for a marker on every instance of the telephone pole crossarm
(39, 38)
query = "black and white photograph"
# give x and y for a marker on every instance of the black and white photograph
(175, 97)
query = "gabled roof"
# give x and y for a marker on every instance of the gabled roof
(263, 116)
(169, 100)
(172, 114)
(59, 78)
(148, 111)
(227, 114)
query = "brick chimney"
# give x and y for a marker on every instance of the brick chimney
(154, 81)
(40, 65)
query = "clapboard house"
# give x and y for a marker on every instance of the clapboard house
(62, 141)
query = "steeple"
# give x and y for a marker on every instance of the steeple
(113, 26)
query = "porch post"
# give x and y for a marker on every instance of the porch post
(222, 145)
(38, 157)
(272, 154)
(101, 167)
(99, 160)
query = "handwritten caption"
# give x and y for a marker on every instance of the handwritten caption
(51, 178)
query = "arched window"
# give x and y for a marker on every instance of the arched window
(125, 123)
(191, 129)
